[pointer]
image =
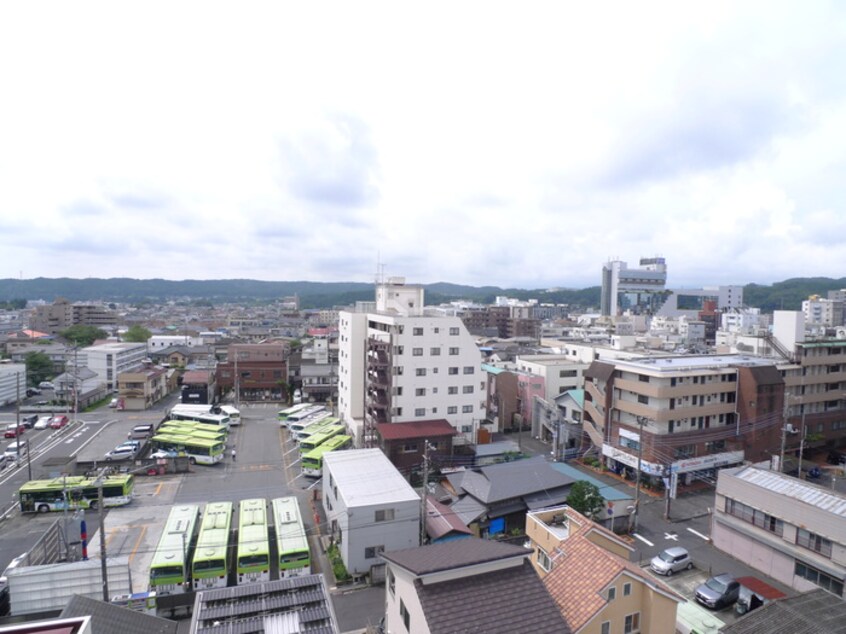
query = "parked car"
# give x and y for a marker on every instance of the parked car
(113, 403)
(13, 430)
(12, 452)
(29, 420)
(46, 385)
(718, 592)
(136, 445)
(121, 452)
(164, 453)
(58, 421)
(671, 560)
(836, 458)
(43, 422)
(32, 391)
(139, 432)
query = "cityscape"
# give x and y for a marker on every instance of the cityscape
(667, 460)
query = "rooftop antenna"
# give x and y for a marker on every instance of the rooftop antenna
(380, 269)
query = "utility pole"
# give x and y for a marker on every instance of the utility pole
(237, 382)
(104, 569)
(18, 416)
(640, 421)
(783, 433)
(425, 494)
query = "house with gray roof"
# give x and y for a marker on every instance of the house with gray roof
(107, 618)
(469, 585)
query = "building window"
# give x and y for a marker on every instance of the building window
(544, 561)
(410, 447)
(467, 409)
(612, 594)
(420, 372)
(453, 351)
(605, 628)
(627, 589)
(386, 515)
(453, 370)
(392, 582)
(632, 623)
(756, 517)
(371, 552)
(435, 352)
(469, 369)
(420, 411)
(643, 399)
(417, 332)
(398, 349)
(824, 581)
(420, 391)
(405, 616)
(453, 331)
(452, 409)
(467, 389)
(417, 352)
(452, 389)
(814, 542)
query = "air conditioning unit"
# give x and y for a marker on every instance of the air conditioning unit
(790, 429)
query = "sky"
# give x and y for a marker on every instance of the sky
(512, 144)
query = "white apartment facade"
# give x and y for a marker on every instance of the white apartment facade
(400, 364)
(12, 382)
(108, 360)
(559, 371)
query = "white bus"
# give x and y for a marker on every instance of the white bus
(283, 414)
(233, 413)
(227, 410)
(296, 425)
(221, 420)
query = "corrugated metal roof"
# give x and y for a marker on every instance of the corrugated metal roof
(366, 476)
(797, 489)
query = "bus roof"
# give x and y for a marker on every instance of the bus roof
(290, 532)
(186, 440)
(214, 531)
(171, 548)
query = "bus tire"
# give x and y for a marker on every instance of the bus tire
(192, 460)
(43, 508)
(93, 505)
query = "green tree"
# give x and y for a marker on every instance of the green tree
(586, 499)
(39, 367)
(137, 334)
(83, 335)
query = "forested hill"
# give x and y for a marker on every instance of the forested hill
(787, 295)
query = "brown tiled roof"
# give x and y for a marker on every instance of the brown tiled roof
(416, 429)
(441, 520)
(424, 560)
(506, 601)
(196, 377)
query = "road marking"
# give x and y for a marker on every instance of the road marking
(138, 542)
(698, 534)
(158, 488)
(673, 536)
(643, 539)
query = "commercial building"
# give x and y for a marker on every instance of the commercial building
(399, 364)
(638, 290)
(109, 360)
(257, 372)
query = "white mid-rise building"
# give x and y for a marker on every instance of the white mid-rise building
(400, 364)
(108, 360)
(160, 342)
(12, 382)
(559, 371)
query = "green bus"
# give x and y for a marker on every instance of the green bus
(170, 568)
(177, 430)
(210, 568)
(193, 425)
(75, 492)
(198, 450)
(283, 414)
(300, 435)
(291, 538)
(320, 436)
(253, 556)
(312, 462)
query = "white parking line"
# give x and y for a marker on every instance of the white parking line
(698, 534)
(643, 539)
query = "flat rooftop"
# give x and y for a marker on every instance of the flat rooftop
(679, 363)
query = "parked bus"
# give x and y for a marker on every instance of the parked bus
(221, 420)
(195, 430)
(171, 565)
(312, 462)
(210, 568)
(283, 414)
(253, 564)
(233, 413)
(297, 421)
(291, 539)
(319, 436)
(321, 426)
(75, 492)
(321, 418)
(228, 410)
(198, 450)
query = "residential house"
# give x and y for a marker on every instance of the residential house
(370, 508)
(143, 388)
(405, 443)
(442, 524)
(198, 387)
(470, 585)
(586, 570)
(82, 385)
(108, 617)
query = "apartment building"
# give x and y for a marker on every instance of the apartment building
(109, 360)
(559, 371)
(61, 315)
(504, 322)
(257, 371)
(819, 311)
(787, 528)
(685, 415)
(399, 364)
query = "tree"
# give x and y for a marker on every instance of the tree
(39, 367)
(586, 499)
(137, 334)
(83, 335)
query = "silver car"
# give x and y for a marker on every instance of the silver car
(718, 591)
(671, 560)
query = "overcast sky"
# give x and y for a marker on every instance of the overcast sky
(518, 144)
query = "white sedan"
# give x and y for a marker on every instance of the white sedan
(43, 422)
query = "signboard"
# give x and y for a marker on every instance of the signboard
(707, 462)
(631, 461)
(625, 433)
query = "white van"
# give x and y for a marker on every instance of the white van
(11, 452)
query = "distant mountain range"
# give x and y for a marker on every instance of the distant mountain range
(787, 295)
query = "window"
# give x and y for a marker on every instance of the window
(410, 447)
(814, 542)
(605, 628)
(566, 374)
(632, 623)
(824, 581)
(420, 372)
(385, 515)
(453, 351)
(435, 352)
(756, 517)
(453, 389)
(420, 391)
(392, 582)
(453, 371)
(371, 552)
(469, 369)
(417, 332)
(627, 589)
(398, 349)
(643, 399)
(612, 594)
(453, 331)
(466, 429)
(405, 616)
(544, 561)
(643, 378)
(452, 409)
(417, 352)
(467, 409)
(420, 411)
(467, 389)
